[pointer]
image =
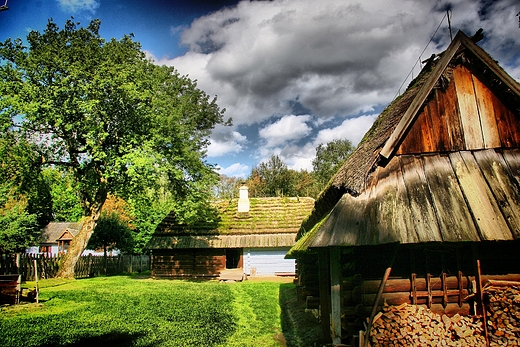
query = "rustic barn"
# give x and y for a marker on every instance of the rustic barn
(252, 234)
(428, 203)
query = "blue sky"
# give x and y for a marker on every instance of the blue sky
(291, 74)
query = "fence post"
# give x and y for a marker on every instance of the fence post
(36, 278)
(89, 265)
(17, 262)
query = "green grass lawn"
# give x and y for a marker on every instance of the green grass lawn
(127, 311)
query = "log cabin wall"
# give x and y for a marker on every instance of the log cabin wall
(437, 276)
(464, 115)
(188, 262)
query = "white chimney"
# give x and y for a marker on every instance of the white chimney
(243, 200)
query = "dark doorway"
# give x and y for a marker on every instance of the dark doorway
(233, 257)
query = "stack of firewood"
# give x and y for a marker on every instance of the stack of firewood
(503, 313)
(413, 325)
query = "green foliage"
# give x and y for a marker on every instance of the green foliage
(276, 176)
(118, 122)
(25, 202)
(273, 178)
(21, 175)
(122, 311)
(228, 187)
(18, 228)
(66, 205)
(329, 158)
(112, 233)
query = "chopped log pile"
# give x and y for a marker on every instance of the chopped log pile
(415, 325)
(503, 313)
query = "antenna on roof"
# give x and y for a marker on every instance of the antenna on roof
(4, 6)
(448, 14)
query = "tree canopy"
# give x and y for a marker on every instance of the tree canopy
(25, 201)
(329, 158)
(118, 122)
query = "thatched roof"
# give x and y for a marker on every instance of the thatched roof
(55, 230)
(271, 222)
(377, 197)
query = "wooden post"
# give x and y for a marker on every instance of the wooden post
(376, 303)
(480, 302)
(324, 278)
(335, 295)
(36, 279)
(17, 263)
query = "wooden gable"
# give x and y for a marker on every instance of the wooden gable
(468, 102)
(66, 236)
(466, 115)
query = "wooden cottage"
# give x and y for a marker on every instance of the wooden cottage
(431, 197)
(249, 234)
(57, 236)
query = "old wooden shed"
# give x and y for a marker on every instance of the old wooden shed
(252, 234)
(432, 190)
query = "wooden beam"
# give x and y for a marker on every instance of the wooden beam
(324, 280)
(335, 295)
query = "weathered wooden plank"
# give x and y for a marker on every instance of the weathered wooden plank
(468, 108)
(412, 142)
(449, 110)
(350, 226)
(512, 158)
(486, 214)
(508, 124)
(487, 114)
(421, 204)
(503, 185)
(390, 201)
(439, 126)
(429, 134)
(369, 232)
(335, 295)
(324, 235)
(420, 138)
(324, 288)
(455, 221)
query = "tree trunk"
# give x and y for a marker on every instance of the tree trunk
(78, 244)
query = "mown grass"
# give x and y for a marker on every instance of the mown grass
(126, 311)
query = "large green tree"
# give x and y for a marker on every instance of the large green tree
(108, 114)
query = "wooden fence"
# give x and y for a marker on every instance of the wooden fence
(87, 266)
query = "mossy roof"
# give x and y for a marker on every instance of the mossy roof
(270, 222)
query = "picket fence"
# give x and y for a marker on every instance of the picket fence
(47, 266)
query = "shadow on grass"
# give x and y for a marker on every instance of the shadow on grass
(300, 328)
(106, 340)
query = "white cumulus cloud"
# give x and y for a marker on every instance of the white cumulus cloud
(75, 6)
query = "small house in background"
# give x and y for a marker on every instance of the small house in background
(56, 237)
(430, 197)
(249, 234)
